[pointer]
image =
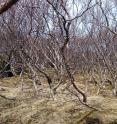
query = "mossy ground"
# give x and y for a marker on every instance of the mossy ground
(61, 108)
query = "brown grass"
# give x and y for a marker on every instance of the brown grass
(62, 108)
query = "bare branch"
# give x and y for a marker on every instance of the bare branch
(7, 5)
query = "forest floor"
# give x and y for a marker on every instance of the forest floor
(25, 107)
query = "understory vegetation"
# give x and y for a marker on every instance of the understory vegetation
(23, 106)
(58, 62)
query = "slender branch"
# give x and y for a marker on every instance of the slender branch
(8, 4)
(88, 8)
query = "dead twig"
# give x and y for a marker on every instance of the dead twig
(7, 97)
(85, 116)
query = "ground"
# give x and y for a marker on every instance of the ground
(25, 107)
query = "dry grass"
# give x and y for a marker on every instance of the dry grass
(62, 108)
